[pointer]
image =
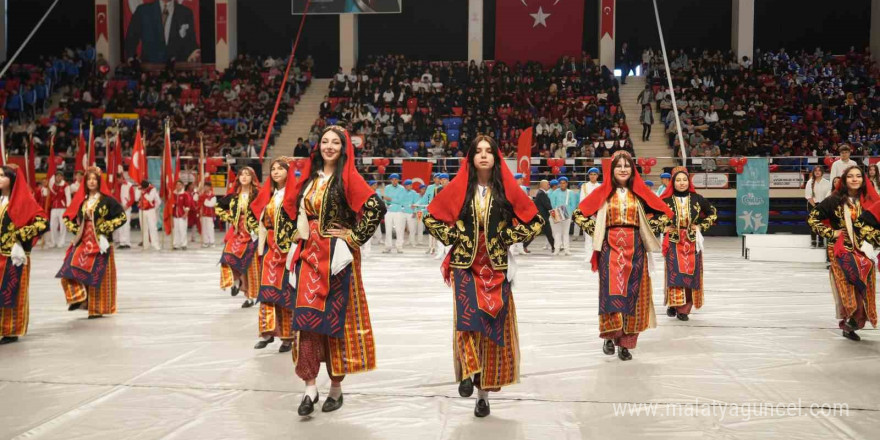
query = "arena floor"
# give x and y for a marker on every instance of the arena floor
(177, 361)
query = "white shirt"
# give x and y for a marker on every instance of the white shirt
(820, 192)
(587, 188)
(838, 167)
(169, 6)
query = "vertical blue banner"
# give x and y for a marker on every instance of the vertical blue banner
(753, 197)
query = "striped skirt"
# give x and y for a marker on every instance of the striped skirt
(101, 299)
(14, 319)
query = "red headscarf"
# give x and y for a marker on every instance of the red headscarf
(22, 207)
(594, 201)
(357, 191)
(80, 196)
(671, 188)
(447, 205)
(265, 195)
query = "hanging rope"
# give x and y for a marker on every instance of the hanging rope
(284, 82)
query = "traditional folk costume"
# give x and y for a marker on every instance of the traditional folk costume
(239, 270)
(683, 247)
(59, 200)
(330, 315)
(586, 189)
(22, 221)
(276, 233)
(480, 270)
(88, 274)
(853, 264)
(617, 219)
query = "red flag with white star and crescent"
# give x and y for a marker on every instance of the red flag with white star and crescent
(538, 30)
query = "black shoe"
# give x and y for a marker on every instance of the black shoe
(482, 408)
(262, 343)
(466, 388)
(285, 346)
(332, 404)
(683, 317)
(307, 407)
(670, 312)
(623, 354)
(248, 303)
(8, 340)
(608, 347)
(76, 306)
(234, 290)
(848, 334)
(95, 316)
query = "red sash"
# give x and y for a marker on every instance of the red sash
(273, 264)
(487, 280)
(687, 253)
(85, 255)
(621, 242)
(313, 283)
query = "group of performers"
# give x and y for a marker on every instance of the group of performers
(294, 245)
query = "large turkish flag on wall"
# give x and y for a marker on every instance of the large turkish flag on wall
(538, 30)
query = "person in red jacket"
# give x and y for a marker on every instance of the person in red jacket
(193, 227)
(206, 203)
(59, 199)
(183, 202)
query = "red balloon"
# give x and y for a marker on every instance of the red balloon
(734, 162)
(829, 161)
(646, 170)
(555, 169)
(652, 161)
(381, 169)
(743, 161)
(739, 169)
(774, 167)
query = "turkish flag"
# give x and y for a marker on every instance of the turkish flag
(168, 183)
(538, 30)
(101, 22)
(419, 172)
(80, 164)
(524, 154)
(221, 23)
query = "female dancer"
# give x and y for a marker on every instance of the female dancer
(239, 270)
(481, 213)
(615, 215)
(852, 272)
(335, 212)
(683, 244)
(818, 189)
(275, 236)
(874, 174)
(24, 221)
(88, 274)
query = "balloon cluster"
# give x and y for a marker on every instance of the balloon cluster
(380, 164)
(645, 163)
(738, 164)
(557, 166)
(829, 160)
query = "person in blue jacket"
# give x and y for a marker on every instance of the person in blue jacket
(409, 208)
(431, 192)
(396, 196)
(564, 202)
(664, 183)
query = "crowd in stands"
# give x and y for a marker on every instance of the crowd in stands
(231, 109)
(778, 104)
(406, 108)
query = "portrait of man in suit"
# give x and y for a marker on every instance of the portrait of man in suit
(165, 29)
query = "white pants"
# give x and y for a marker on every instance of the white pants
(122, 236)
(150, 228)
(396, 222)
(561, 235)
(179, 232)
(516, 249)
(412, 225)
(58, 232)
(207, 230)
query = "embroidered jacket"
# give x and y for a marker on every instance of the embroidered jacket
(500, 233)
(335, 211)
(833, 211)
(230, 209)
(10, 234)
(695, 211)
(108, 217)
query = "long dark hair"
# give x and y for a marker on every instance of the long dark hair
(842, 190)
(9, 172)
(496, 184)
(614, 162)
(283, 163)
(337, 187)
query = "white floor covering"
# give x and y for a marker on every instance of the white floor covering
(177, 361)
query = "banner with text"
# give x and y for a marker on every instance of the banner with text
(753, 197)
